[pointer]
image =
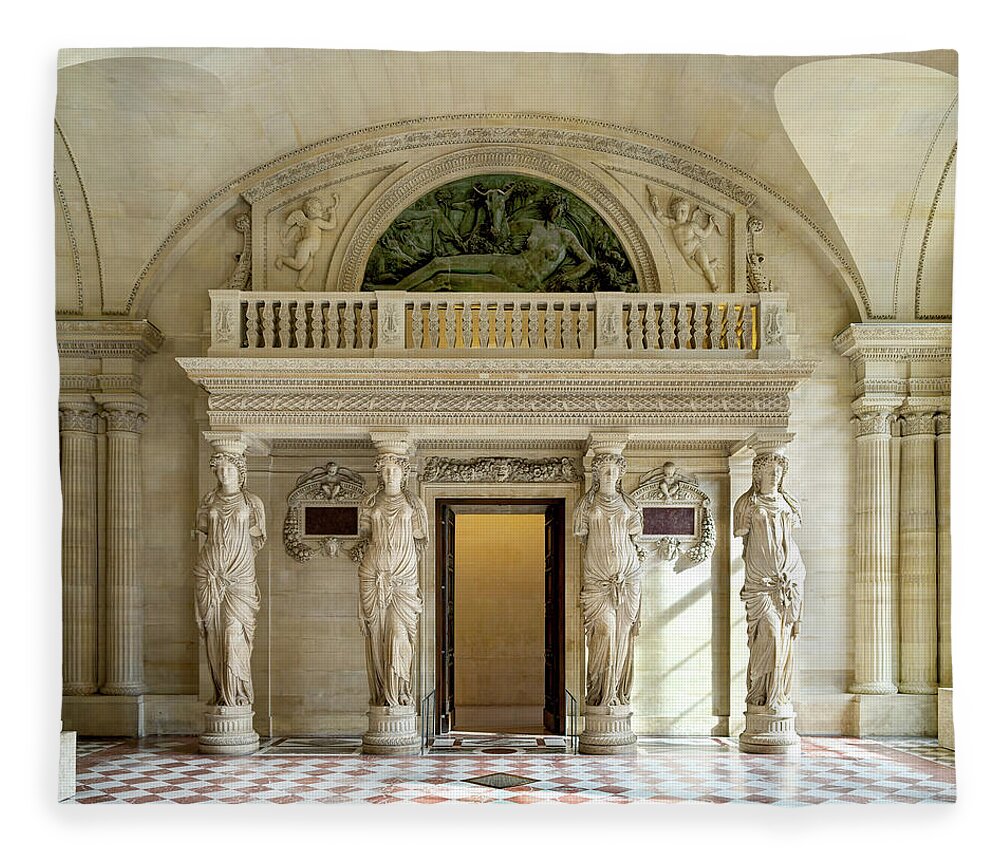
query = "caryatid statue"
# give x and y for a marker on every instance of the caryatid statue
(394, 524)
(764, 517)
(609, 521)
(227, 599)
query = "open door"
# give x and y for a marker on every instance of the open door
(446, 617)
(555, 673)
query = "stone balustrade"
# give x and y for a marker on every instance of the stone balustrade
(577, 325)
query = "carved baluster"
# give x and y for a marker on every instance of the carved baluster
(350, 325)
(300, 325)
(634, 325)
(366, 326)
(730, 326)
(466, 325)
(533, 324)
(449, 324)
(667, 332)
(700, 325)
(517, 325)
(583, 326)
(687, 340)
(744, 336)
(333, 326)
(316, 325)
(484, 325)
(434, 326)
(567, 329)
(253, 325)
(652, 329)
(550, 326)
(417, 325)
(713, 326)
(284, 325)
(267, 322)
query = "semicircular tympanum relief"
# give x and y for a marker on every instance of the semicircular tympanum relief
(499, 232)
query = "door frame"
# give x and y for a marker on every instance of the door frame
(554, 510)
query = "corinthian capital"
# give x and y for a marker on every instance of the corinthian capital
(943, 423)
(78, 415)
(918, 422)
(874, 423)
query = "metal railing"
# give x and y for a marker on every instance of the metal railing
(427, 720)
(572, 723)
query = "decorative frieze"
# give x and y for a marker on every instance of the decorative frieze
(500, 470)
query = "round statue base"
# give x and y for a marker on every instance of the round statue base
(228, 731)
(770, 731)
(607, 730)
(391, 731)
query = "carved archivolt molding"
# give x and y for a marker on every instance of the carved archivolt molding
(327, 484)
(500, 470)
(925, 241)
(501, 160)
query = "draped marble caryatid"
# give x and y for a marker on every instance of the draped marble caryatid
(764, 517)
(393, 527)
(394, 523)
(609, 521)
(227, 599)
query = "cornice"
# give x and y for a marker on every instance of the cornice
(895, 341)
(107, 338)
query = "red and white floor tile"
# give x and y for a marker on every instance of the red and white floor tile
(516, 770)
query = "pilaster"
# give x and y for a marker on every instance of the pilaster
(943, 463)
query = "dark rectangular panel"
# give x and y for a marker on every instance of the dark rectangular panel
(323, 521)
(668, 521)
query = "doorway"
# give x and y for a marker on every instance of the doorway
(500, 615)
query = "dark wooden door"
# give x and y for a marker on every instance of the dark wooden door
(555, 675)
(446, 617)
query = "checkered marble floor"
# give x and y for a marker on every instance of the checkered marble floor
(331, 770)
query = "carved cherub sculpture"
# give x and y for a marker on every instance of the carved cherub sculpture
(670, 479)
(310, 221)
(689, 234)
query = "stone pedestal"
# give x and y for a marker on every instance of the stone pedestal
(391, 731)
(946, 720)
(900, 714)
(67, 764)
(228, 731)
(105, 716)
(607, 730)
(770, 731)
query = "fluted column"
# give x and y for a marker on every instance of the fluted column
(124, 633)
(873, 637)
(918, 555)
(78, 470)
(944, 547)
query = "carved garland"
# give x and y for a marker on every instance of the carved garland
(327, 483)
(500, 470)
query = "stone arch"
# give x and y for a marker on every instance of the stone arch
(499, 159)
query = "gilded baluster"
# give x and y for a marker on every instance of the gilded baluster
(713, 326)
